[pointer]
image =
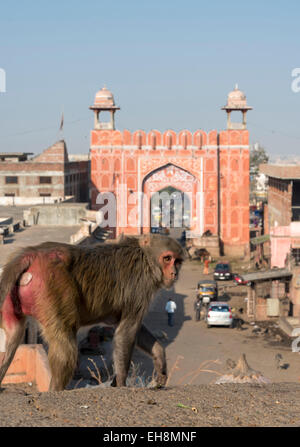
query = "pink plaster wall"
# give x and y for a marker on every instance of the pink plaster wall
(282, 239)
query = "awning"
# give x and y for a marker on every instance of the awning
(260, 239)
(267, 274)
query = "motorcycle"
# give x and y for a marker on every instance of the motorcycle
(203, 301)
(239, 280)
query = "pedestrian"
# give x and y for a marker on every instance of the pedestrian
(183, 238)
(206, 266)
(170, 309)
(197, 308)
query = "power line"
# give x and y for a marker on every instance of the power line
(41, 129)
(274, 131)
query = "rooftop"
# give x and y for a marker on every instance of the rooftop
(21, 156)
(267, 274)
(281, 171)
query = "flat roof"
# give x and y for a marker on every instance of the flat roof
(35, 235)
(267, 274)
(281, 171)
(14, 154)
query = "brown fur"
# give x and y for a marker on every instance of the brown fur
(74, 286)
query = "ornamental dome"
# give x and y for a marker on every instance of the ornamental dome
(104, 98)
(236, 100)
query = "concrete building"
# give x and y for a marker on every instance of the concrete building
(208, 172)
(284, 223)
(46, 178)
(283, 211)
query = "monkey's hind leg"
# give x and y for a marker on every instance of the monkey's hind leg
(12, 331)
(62, 356)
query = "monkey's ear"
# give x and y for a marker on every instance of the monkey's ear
(145, 240)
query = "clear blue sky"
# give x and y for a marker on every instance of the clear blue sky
(169, 64)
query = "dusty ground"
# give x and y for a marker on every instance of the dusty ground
(191, 399)
(185, 406)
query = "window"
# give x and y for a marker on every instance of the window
(279, 184)
(9, 180)
(220, 308)
(9, 194)
(44, 194)
(45, 180)
(296, 255)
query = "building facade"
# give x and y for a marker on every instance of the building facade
(283, 211)
(198, 180)
(284, 223)
(47, 178)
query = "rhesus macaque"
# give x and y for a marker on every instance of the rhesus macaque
(65, 287)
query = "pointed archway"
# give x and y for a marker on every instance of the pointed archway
(170, 209)
(170, 196)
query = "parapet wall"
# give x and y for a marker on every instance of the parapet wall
(62, 214)
(30, 364)
(169, 138)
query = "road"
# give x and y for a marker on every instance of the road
(191, 344)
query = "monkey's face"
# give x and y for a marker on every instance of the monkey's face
(170, 264)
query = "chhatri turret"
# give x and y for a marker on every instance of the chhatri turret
(236, 101)
(104, 102)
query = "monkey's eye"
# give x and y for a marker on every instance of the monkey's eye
(167, 258)
(178, 261)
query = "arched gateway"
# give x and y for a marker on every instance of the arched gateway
(211, 169)
(169, 192)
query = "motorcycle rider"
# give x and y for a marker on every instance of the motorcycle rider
(198, 307)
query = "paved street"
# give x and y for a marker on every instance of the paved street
(190, 343)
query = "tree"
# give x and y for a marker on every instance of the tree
(258, 155)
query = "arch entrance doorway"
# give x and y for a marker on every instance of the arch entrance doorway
(170, 192)
(170, 210)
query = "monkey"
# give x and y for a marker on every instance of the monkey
(65, 287)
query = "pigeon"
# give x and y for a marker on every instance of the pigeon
(280, 363)
(231, 364)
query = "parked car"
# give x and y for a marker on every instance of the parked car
(239, 280)
(219, 314)
(222, 271)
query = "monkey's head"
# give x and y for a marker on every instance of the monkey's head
(166, 253)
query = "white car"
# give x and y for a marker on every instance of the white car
(219, 314)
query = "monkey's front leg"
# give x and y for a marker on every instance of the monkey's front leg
(124, 340)
(149, 344)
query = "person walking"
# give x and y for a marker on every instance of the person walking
(197, 308)
(170, 309)
(206, 266)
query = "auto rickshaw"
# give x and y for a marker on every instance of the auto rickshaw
(207, 291)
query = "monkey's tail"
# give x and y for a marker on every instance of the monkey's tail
(12, 272)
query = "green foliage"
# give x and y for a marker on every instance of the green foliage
(258, 155)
